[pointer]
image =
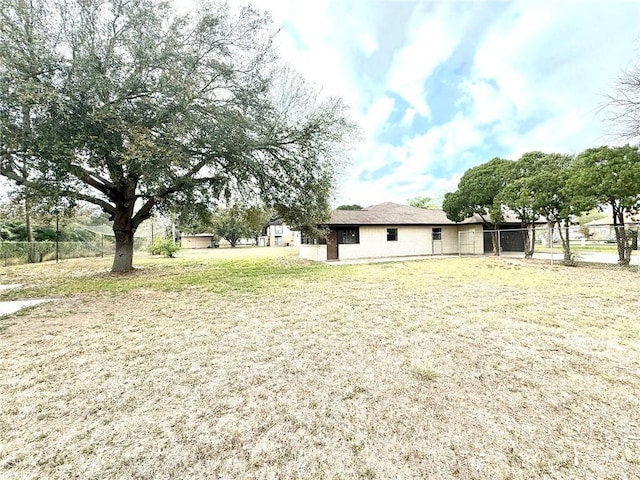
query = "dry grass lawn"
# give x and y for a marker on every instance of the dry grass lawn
(254, 364)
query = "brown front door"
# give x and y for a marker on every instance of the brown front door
(332, 245)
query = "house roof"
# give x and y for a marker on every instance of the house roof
(389, 213)
(198, 235)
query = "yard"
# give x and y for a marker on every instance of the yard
(254, 364)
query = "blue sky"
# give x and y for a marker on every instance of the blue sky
(440, 86)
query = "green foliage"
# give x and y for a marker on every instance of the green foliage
(610, 176)
(256, 219)
(477, 192)
(421, 202)
(194, 220)
(591, 215)
(165, 247)
(15, 230)
(12, 253)
(538, 188)
(133, 107)
(231, 224)
(349, 207)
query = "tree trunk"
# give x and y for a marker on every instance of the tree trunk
(566, 246)
(27, 220)
(123, 230)
(32, 255)
(624, 249)
(529, 240)
(623, 244)
(495, 241)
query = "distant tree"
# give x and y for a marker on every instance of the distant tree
(194, 220)
(585, 231)
(591, 215)
(622, 106)
(230, 223)
(349, 207)
(477, 193)
(256, 219)
(421, 202)
(610, 176)
(134, 108)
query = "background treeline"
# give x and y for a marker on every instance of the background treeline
(555, 188)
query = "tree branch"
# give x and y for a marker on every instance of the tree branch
(106, 206)
(102, 185)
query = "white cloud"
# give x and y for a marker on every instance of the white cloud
(368, 42)
(534, 82)
(377, 115)
(432, 37)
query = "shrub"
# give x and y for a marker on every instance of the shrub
(164, 246)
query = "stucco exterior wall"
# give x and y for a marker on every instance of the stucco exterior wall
(412, 241)
(195, 242)
(314, 252)
(373, 243)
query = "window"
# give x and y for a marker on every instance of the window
(278, 241)
(278, 229)
(349, 235)
(308, 240)
(392, 234)
(436, 234)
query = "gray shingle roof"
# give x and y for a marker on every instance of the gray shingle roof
(389, 213)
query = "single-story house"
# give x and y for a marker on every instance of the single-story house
(604, 231)
(393, 230)
(277, 234)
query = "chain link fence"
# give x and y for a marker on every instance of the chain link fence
(15, 253)
(598, 244)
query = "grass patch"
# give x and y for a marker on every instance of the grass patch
(423, 373)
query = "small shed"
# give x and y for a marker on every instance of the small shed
(199, 240)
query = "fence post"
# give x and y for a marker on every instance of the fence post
(57, 239)
(551, 242)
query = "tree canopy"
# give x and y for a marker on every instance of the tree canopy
(132, 107)
(537, 188)
(477, 193)
(557, 187)
(230, 224)
(610, 176)
(421, 202)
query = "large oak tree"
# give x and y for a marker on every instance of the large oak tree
(132, 107)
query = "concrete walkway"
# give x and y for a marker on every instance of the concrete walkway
(555, 257)
(7, 308)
